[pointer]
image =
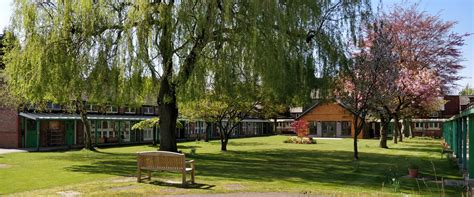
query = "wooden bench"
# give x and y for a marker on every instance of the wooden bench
(164, 161)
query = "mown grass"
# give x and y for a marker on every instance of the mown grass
(260, 164)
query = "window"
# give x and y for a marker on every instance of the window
(434, 114)
(434, 125)
(105, 124)
(112, 109)
(419, 125)
(148, 110)
(91, 108)
(328, 129)
(148, 134)
(52, 106)
(346, 128)
(130, 110)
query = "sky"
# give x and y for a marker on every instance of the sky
(461, 11)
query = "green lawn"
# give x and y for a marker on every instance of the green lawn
(260, 164)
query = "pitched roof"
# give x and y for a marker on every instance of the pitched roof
(63, 116)
(319, 102)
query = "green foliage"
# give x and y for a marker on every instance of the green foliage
(150, 123)
(66, 52)
(300, 140)
(120, 52)
(467, 91)
(2, 52)
(203, 109)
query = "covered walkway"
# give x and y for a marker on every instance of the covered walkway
(44, 131)
(458, 132)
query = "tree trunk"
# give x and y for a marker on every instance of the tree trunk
(224, 144)
(410, 129)
(398, 128)
(395, 130)
(383, 133)
(168, 112)
(356, 151)
(222, 135)
(168, 117)
(167, 107)
(87, 126)
(357, 130)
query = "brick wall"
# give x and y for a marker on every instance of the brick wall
(9, 136)
(451, 108)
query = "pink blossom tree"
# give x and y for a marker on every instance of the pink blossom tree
(429, 59)
(360, 82)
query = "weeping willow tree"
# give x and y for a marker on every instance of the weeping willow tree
(276, 54)
(66, 53)
(120, 50)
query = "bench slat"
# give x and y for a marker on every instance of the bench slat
(162, 160)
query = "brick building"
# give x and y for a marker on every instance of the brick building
(329, 120)
(431, 124)
(9, 135)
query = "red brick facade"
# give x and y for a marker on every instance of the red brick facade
(9, 135)
(451, 108)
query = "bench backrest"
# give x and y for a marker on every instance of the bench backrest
(161, 160)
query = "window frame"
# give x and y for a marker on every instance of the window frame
(92, 108)
(148, 112)
(128, 110)
(109, 109)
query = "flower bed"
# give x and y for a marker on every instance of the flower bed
(300, 140)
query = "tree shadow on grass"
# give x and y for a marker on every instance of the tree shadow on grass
(418, 149)
(289, 165)
(94, 156)
(183, 147)
(116, 167)
(179, 185)
(238, 143)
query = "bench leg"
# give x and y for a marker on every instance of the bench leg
(149, 175)
(139, 175)
(192, 176)
(184, 179)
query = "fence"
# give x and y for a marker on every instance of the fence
(458, 132)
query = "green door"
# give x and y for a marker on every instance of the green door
(31, 138)
(70, 132)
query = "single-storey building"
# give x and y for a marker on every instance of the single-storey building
(54, 127)
(330, 120)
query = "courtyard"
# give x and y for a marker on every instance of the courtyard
(260, 164)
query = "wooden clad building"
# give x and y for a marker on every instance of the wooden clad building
(329, 120)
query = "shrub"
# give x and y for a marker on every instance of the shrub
(300, 127)
(300, 140)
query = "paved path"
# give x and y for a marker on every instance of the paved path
(6, 151)
(248, 194)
